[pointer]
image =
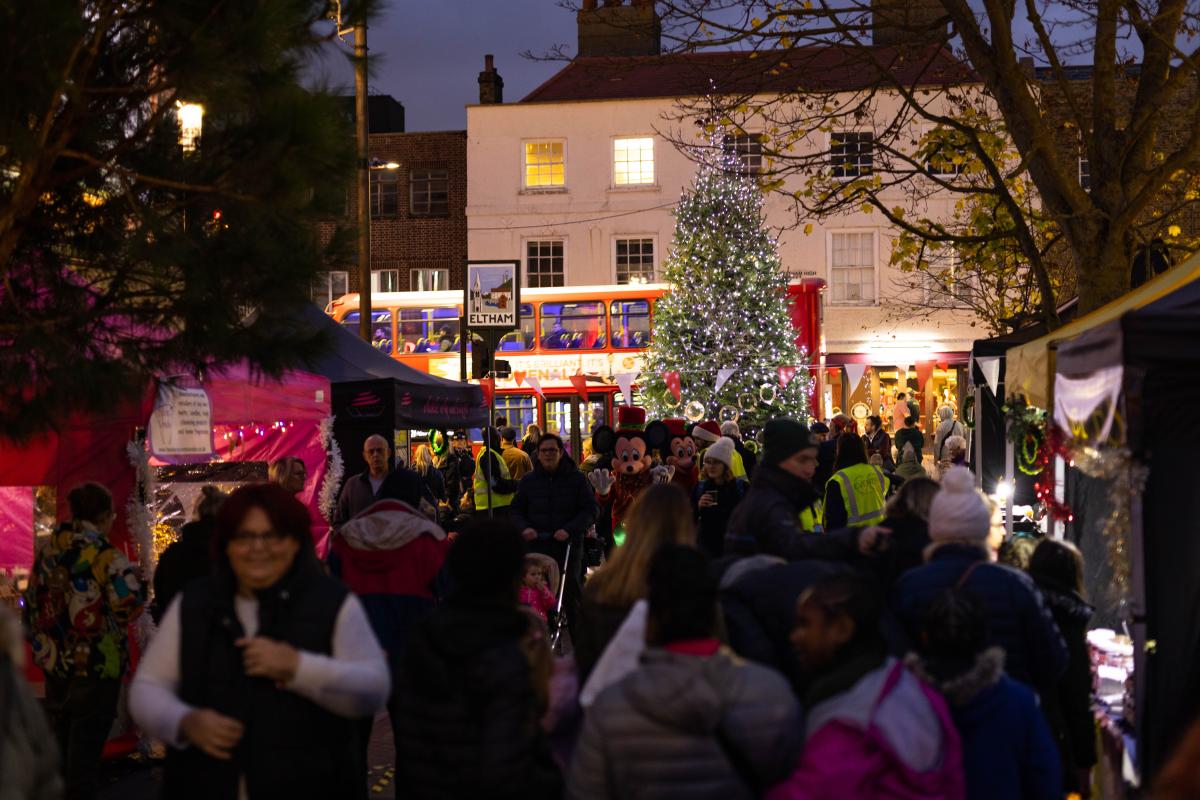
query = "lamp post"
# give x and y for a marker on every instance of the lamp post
(364, 178)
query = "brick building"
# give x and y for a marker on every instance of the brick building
(418, 207)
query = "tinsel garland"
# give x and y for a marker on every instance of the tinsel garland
(327, 499)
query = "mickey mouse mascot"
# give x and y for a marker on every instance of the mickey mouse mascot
(632, 465)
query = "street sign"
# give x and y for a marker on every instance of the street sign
(493, 295)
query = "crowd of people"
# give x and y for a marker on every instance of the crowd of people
(810, 621)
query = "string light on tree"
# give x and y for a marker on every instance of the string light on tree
(728, 305)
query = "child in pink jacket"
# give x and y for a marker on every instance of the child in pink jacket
(534, 591)
(872, 729)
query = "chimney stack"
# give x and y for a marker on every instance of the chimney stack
(619, 29)
(491, 85)
(905, 23)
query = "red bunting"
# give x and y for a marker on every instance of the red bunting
(924, 373)
(489, 389)
(580, 384)
(519, 377)
(785, 376)
(673, 384)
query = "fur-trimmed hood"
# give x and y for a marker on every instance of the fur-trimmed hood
(960, 690)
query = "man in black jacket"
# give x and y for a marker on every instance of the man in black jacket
(555, 505)
(767, 520)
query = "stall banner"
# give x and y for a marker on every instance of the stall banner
(1077, 399)
(181, 424)
(17, 505)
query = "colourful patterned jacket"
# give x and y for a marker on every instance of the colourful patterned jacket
(82, 595)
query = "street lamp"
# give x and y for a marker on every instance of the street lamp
(191, 122)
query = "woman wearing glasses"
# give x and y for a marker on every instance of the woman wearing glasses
(259, 671)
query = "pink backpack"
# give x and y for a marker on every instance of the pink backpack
(842, 760)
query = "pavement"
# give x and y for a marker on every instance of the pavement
(137, 777)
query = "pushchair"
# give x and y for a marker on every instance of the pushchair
(558, 578)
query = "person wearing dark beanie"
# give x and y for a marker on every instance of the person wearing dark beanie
(467, 708)
(779, 515)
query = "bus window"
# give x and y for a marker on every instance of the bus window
(519, 409)
(573, 326)
(429, 330)
(522, 339)
(630, 323)
(381, 329)
(558, 417)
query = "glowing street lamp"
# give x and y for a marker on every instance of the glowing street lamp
(191, 122)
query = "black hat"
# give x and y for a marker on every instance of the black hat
(783, 438)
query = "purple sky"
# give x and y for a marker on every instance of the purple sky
(431, 53)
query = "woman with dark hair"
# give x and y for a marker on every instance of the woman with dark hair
(190, 556)
(856, 493)
(1057, 569)
(259, 670)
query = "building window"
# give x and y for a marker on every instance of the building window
(749, 150)
(544, 165)
(428, 280)
(635, 261)
(329, 286)
(946, 284)
(429, 192)
(1085, 173)
(949, 158)
(852, 268)
(851, 154)
(385, 280)
(544, 263)
(633, 161)
(385, 192)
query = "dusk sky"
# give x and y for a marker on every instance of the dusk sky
(431, 53)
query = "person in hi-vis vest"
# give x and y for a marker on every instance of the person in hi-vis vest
(856, 493)
(489, 465)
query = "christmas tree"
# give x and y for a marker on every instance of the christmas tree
(726, 315)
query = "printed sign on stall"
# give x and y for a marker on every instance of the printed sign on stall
(181, 424)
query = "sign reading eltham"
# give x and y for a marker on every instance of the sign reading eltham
(493, 294)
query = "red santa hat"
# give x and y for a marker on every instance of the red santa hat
(676, 427)
(707, 431)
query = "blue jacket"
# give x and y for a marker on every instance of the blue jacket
(1007, 748)
(547, 501)
(1018, 620)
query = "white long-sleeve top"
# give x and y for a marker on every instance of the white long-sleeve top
(352, 682)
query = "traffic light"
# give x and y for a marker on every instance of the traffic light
(481, 358)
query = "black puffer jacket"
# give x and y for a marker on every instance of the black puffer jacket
(548, 501)
(765, 522)
(467, 714)
(181, 563)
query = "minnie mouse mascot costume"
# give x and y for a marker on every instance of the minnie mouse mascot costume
(629, 448)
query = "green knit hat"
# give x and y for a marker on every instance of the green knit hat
(783, 438)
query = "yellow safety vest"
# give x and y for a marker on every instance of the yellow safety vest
(863, 488)
(499, 500)
(812, 518)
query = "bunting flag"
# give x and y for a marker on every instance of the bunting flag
(579, 381)
(671, 377)
(924, 373)
(625, 382)
(785, 376)
(854, 374)
(489, 390)
(723, 375)
(519, 377)
(535, 384)
(902, 373)
(943, 365)
(990, 367)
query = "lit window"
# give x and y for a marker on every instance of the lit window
(429, 330)
(635, 261)
(851, 154)
(385, 192)
(381, 329)
(429, 192)
(573, 326)
(630, 323)
(852, 268)
(544, 263)
(1085, 173)
(544, 164)
(748, 148)
(633, 161)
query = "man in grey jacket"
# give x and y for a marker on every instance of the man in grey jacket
(693, 720)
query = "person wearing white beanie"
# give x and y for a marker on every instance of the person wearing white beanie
(960, 559)
(960, 512)
(716, 495)
(721, 450)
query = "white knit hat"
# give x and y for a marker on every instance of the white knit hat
(721, 450)
(959, 511)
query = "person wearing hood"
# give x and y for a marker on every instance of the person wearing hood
(771, 519)
(390, 555)
(910, 464)
(716, 495)
(960, 556)
(693, 720)
(190, 556)
(1057, 569)
(1007, 748)
(947, 427)
(872, 729)
(467, 707)
(554, 506)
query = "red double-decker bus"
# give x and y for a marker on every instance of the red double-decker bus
(597, 331)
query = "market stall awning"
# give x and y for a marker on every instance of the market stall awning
(1031, 366)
